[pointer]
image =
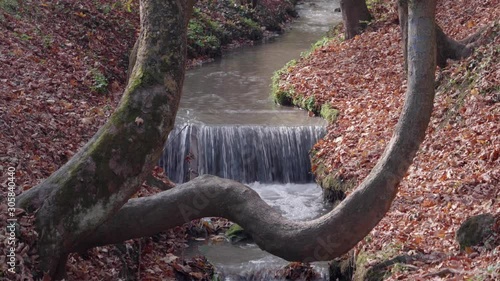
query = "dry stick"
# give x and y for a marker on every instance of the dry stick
(444, 272)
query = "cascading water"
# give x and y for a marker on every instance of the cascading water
(245, 261)
(243, 153)
(228, 126)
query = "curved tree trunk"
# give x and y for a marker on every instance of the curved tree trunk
(355, 15)
(324, 238)
(99, 179)
(94, 185)
(447, 48)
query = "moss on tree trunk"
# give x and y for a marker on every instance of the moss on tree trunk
(99, 179)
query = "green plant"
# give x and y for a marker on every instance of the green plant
(25, 37)
(370, 3)
(250, 23)
(100, 82)
(9, 6)
(47, 41)
(128, 5)
(252, 28)
(196, 11)
(106, 9)
(310, 104)
(202, 37)
(329, 113)
(318, 44)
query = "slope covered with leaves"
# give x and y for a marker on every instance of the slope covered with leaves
(456, 173)
(64, 66)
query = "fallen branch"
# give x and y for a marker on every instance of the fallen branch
(443, 272)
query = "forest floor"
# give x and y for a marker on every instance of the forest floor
(456, 173)
(63, 70)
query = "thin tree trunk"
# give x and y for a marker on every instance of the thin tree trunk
(447, 48)
(355, 15)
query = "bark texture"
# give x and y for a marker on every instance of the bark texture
(355, 15)
(99, 179)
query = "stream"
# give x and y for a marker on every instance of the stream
(245, 261)
(228, 126)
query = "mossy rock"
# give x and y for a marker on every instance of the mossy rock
(236, 233)
(475, 230)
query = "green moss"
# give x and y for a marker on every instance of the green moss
(342, 268)
(298, 101)
(384, 260)
(335, 188)
(282, 95)
(141, 79)
(310, 104)
(283, 98)
(236, 233)
(329, 113)
(315, 46)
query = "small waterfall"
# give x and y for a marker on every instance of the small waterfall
(244, 153)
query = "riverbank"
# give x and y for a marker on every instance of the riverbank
(218, 26)
(359, 86)
(63, 71)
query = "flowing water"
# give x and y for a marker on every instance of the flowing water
(246, 261)
(225, 101)
(243, 153)
(227, 125)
